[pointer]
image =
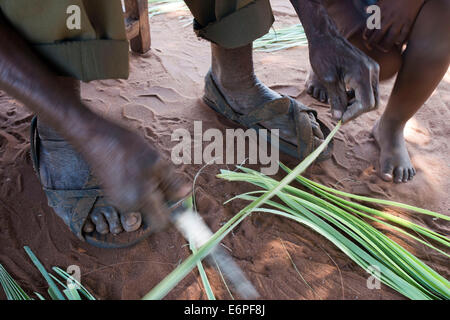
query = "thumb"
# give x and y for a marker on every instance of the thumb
(338, 100)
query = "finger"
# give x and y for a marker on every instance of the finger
(337, 97)
(88, 226)
(367, 34)
(100, 222)
(112, 217)
(363, 86)
(172, 186)
(375, 38)
(353, 111)
(403, 35)
(366, 100)
(377, 35)
(389, 40)
(131, 221)
(356, 109)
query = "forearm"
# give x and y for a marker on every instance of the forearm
(315, 19)
(24, 76)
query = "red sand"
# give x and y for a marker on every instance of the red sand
(163, 93)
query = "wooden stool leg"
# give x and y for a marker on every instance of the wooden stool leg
(138, 25)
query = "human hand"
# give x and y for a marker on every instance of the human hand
(341, 67)
(133, 174)
(397, 19)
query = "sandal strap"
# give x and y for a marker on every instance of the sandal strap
(266, 112)
(57, 195)
(305, 135)
(279, 107)
(77, 203)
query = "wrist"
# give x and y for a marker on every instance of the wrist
(315, 20)
(83, 125)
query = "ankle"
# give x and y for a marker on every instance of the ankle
(232, 82)
(391, 126)
(233, 68)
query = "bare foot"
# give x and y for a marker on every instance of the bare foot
(395, 164)
(315, 88)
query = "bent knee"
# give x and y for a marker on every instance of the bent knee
(390, 63)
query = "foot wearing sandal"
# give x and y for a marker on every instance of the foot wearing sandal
(74, 193)
(233, 78)
(135, 177)
(62, 168)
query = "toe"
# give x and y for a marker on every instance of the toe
(88, 226)
(317, 142)
(317, 132)
(398, 175)
(386, 173)
(316, 127)
(316, 93)
(405, 175)
(411, 173)
(323, 96)
(113, 220)
(131, 221)
(100, 222)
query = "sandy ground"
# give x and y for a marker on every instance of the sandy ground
(163, 93)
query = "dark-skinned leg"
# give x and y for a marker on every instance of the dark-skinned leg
(62, 168)
(134, 176)
(425, 62)
(233, 72)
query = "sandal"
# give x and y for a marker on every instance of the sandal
(74, 206)
(285, 105)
